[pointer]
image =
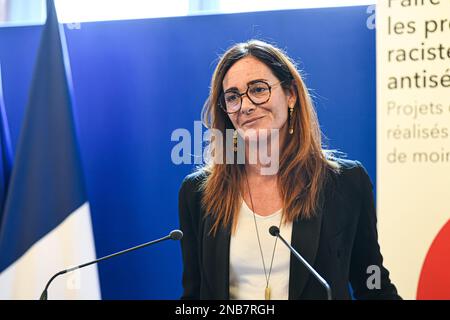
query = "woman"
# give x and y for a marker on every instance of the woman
(322, 205)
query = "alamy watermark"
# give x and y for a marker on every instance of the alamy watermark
(374, 279)
(239, 147)
(371, 20)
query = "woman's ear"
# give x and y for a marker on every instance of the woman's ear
(292, 94)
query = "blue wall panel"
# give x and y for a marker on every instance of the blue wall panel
(136, 81)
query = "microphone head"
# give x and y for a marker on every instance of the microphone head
(273, 230)
(176, 234)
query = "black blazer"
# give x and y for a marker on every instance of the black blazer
(340, 242)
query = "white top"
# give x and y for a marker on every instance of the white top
(247, 279)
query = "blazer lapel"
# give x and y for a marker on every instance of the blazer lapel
(305, 239)
(217, 255)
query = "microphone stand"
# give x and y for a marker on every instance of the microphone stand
(274, 231)
(174, 235)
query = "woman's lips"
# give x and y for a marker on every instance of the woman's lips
(251, 121)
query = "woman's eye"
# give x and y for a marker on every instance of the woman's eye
(231, 98)
(258, 90)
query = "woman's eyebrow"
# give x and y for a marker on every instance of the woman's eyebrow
(231, 89)
(256, 80)
(248, 83)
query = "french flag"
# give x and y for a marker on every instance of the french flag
(46, 224)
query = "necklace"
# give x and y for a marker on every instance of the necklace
(267, 290)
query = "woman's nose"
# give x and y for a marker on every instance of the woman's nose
(247, 105)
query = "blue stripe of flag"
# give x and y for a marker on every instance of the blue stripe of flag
(5, 150)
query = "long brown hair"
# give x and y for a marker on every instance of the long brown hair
(303, 163)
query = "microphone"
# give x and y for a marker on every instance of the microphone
(174, 235)
(274, 231)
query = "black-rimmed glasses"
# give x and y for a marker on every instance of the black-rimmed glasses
(258, 92)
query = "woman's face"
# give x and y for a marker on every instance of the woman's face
(271, 115)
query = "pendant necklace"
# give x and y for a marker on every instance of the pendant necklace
(267, 291)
